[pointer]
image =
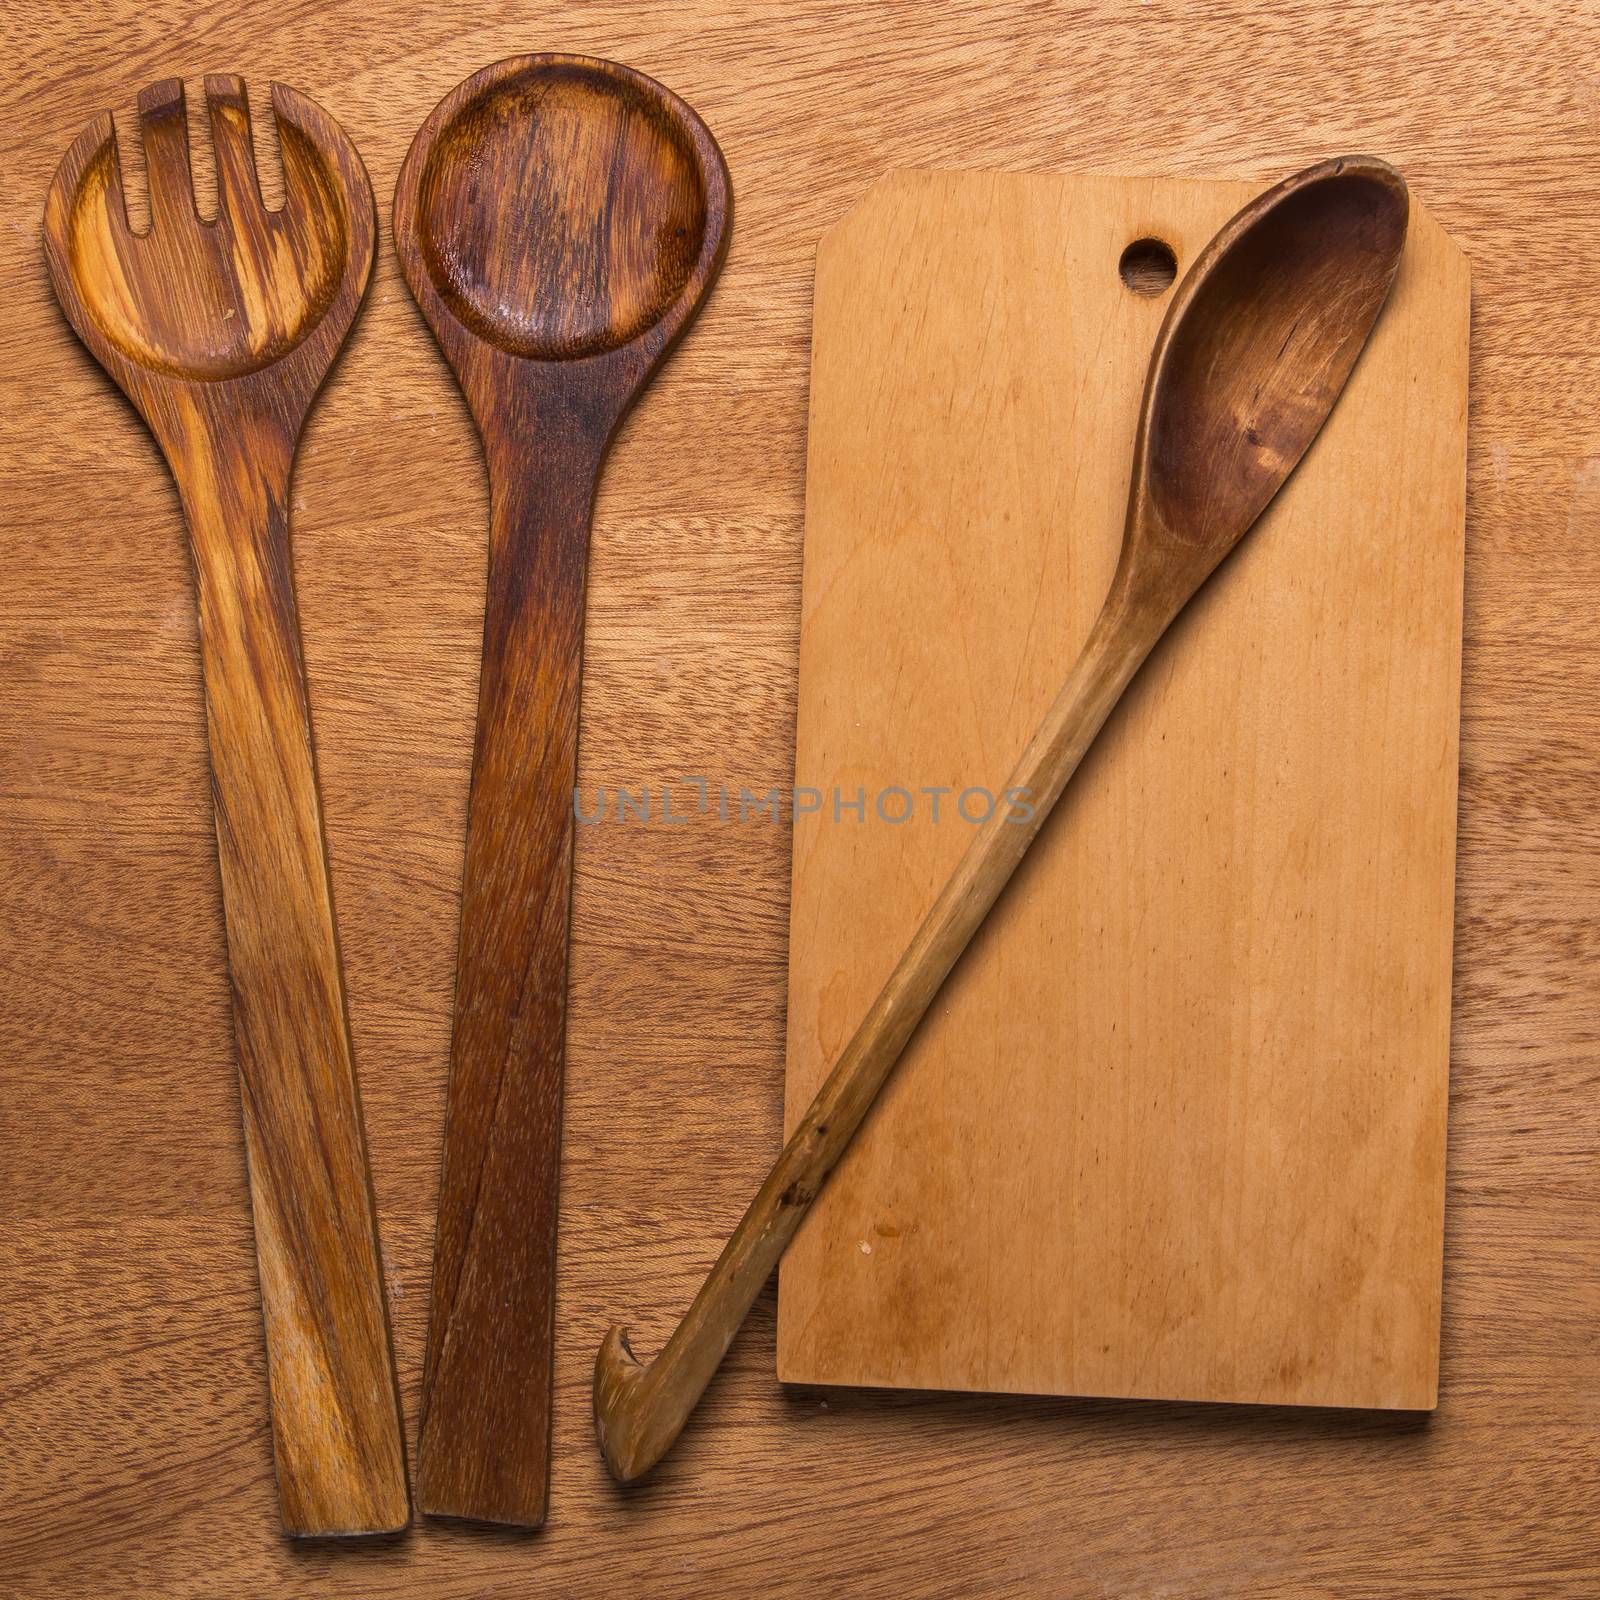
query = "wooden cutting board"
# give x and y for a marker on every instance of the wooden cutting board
(1176, 1126)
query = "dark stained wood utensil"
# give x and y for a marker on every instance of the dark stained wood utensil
(220, 333)
(559, 220)
(1252, 356)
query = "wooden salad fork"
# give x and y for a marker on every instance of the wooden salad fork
(220, 333)
(1251, 359)
(559, 219)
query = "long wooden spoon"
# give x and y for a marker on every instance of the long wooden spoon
(1251, 358)
(559, 220)
(220, 333)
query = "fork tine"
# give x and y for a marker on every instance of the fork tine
(103, 131)
(238, 187)
(96, 148)
(163, 121)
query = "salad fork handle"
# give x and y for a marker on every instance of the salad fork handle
(335, 1415)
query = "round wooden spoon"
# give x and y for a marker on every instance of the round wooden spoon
(559, 220)
(1254, 352)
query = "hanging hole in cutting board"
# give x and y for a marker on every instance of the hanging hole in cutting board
(1148, 267)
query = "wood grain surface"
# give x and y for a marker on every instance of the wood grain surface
(1176, 1126)
(137, 1461)
(559, 220)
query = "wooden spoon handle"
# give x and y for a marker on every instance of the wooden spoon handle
(335, 1407)
(484, 1440)
(639, 1410)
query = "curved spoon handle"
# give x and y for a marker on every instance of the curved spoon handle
(335, 1407)
(640, 1410)
(483, 1446)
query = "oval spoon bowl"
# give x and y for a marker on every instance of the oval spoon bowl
(1233, 401)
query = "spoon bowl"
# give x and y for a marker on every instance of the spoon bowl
(596, 232)
(1257, 345)
(557, 207)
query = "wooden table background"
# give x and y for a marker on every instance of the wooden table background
(134, 1457)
